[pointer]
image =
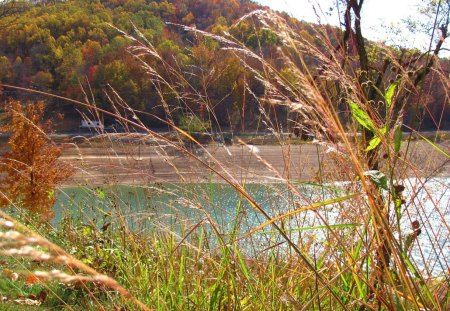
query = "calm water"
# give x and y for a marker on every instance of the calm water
(179, 207)
(172, 204)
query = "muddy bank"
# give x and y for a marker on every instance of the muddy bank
(140, 163)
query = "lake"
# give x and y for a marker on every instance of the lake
(181, 207)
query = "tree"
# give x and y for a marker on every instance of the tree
(10, 8)
(31, 169)
(188, 19)
(43, 80)
(375, 75)
(5, 69)
(438, 13)
(436, 24)
(378, 81)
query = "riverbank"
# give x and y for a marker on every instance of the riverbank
(108, 162)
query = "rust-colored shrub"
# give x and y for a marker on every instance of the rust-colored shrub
(31, 169)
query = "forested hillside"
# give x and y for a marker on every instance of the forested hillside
(75, 49)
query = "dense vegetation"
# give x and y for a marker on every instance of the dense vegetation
(69, 45)
(74, 49)
(367, 229)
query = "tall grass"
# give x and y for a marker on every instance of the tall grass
(340, 235)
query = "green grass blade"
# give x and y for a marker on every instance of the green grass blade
(335, 226)
(434, 145)
(311, 207)
(398, 139)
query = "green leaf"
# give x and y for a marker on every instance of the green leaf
(362, 117)
(398, 139)
(51, 194)
(390, 93)
(100, 193)
(374, 142)
(86, 231)
(378, 178)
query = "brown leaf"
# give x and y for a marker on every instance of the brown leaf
(42, 295)
(32, 296)
(398, 189)
(415, 224)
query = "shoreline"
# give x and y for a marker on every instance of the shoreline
(131, 164)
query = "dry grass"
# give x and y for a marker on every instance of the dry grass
(349, 240)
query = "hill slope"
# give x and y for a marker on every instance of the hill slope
(74, 49)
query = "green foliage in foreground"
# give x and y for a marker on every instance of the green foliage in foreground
(194, 267)
(20, 295)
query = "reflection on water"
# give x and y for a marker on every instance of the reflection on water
(430, 205)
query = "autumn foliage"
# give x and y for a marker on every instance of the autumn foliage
(31, 169)
(64, 47)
